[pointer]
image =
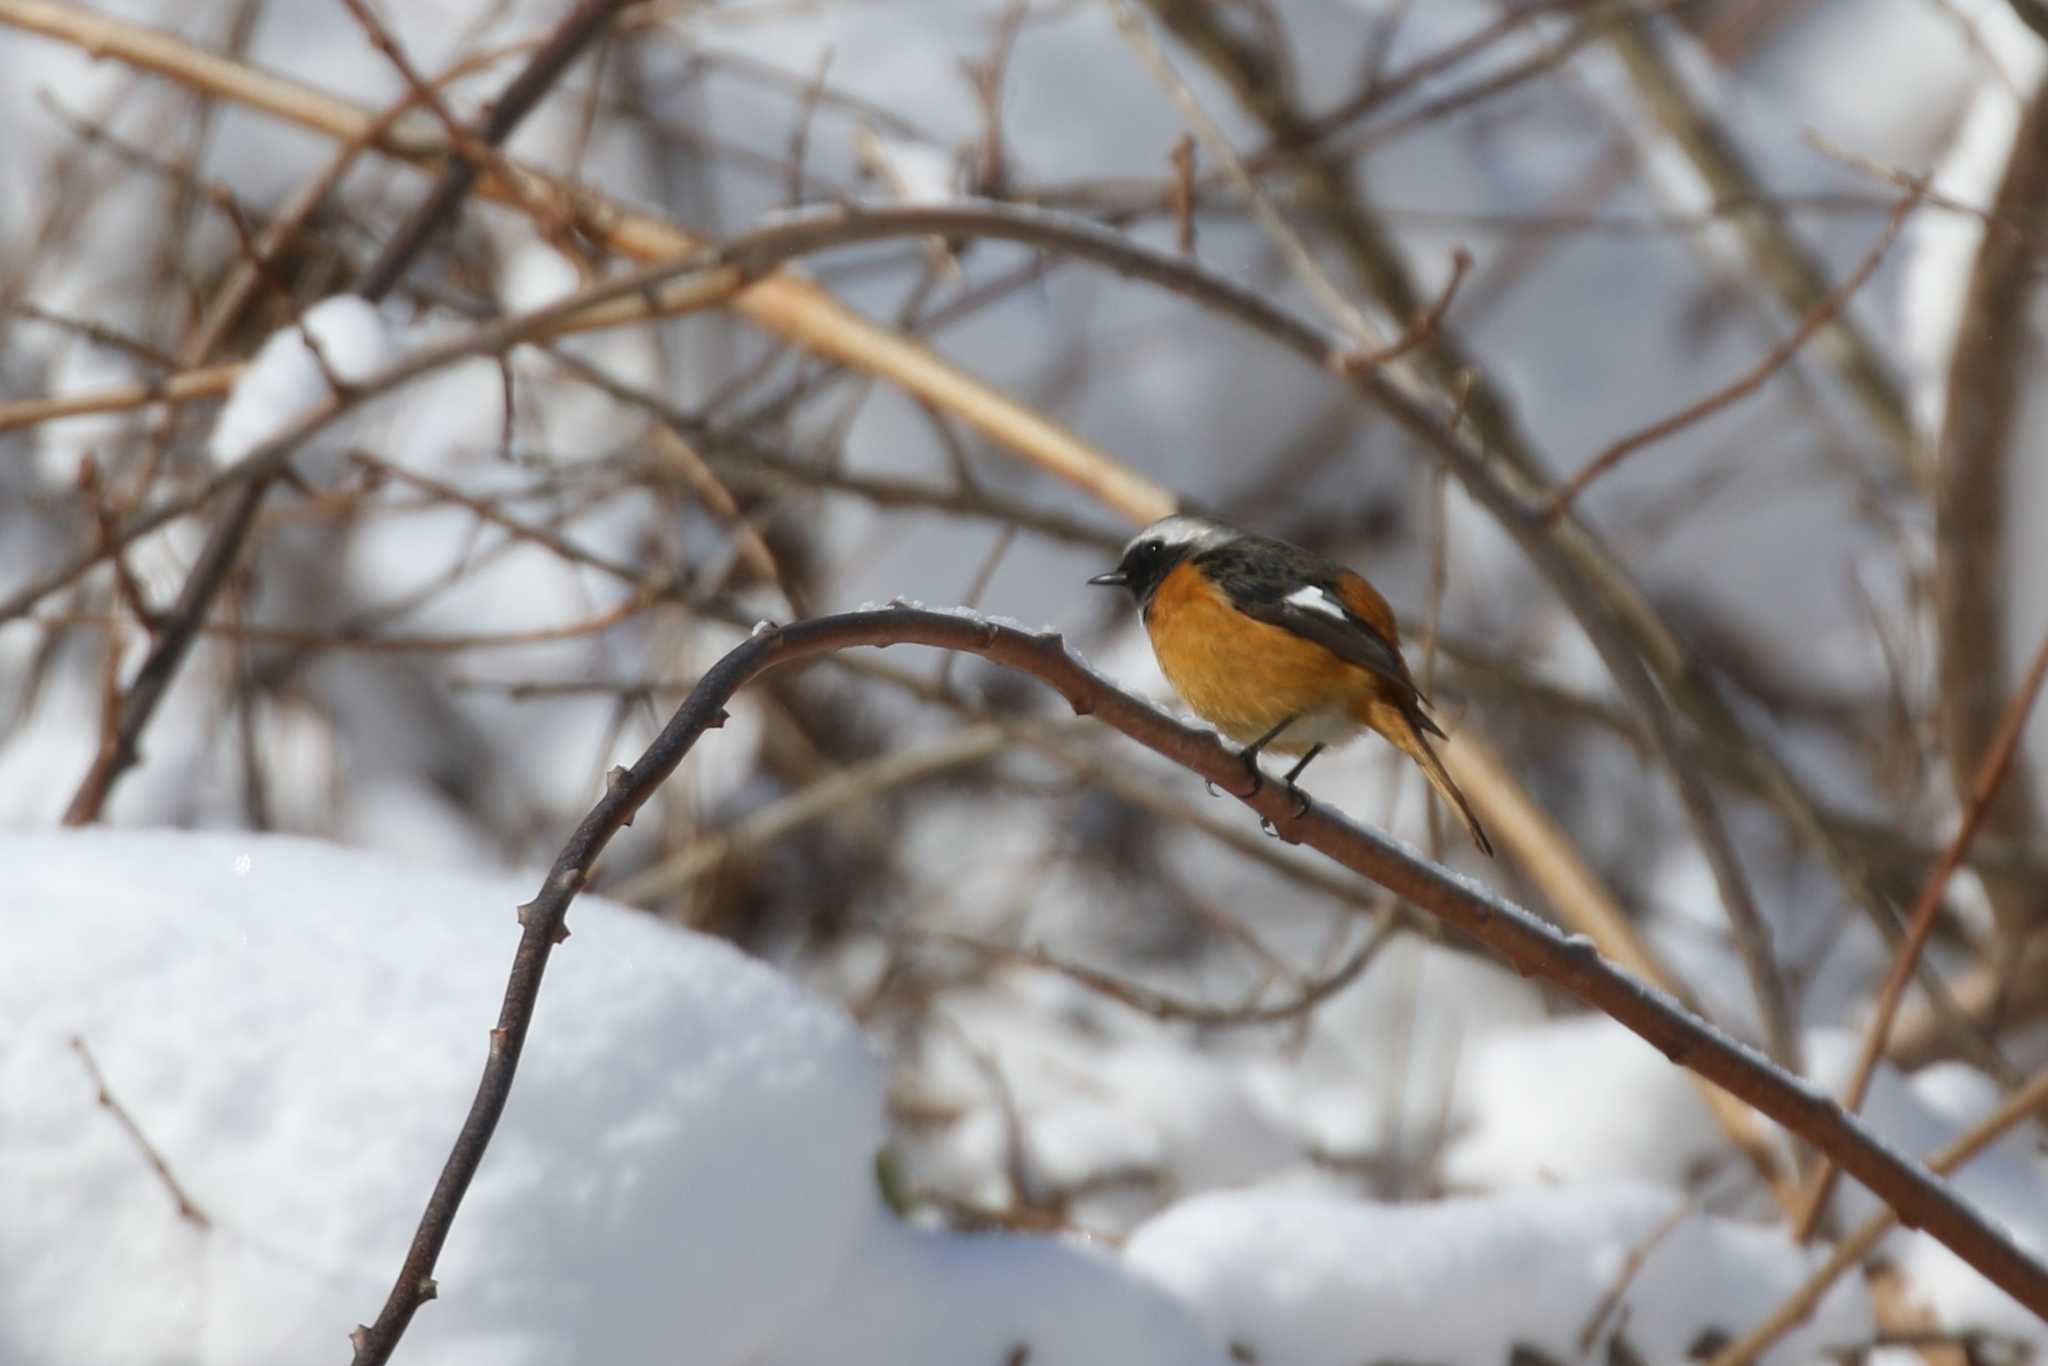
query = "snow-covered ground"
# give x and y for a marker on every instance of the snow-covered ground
(687, 1166)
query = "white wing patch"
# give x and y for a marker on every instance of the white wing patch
(1313, 599)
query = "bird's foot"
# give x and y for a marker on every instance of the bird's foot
(1251, 768)
(1301, 808)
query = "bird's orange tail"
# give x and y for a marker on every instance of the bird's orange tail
(1398, 726)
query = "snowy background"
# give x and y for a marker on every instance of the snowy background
(812, 1086)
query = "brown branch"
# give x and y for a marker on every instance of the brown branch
(1984, 787)
(1532, 946)
(1159, 1005)
(187, 1207)
(576, 31)
(1754, 378)
(1424, 324)
(1993, 369)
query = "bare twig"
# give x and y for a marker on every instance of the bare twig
(188, 1209)
(1161, 1006)
(1751, 380)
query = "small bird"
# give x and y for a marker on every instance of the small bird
(1277, 647)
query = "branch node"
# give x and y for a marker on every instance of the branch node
(427, 1289)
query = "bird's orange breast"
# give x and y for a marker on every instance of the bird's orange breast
(1241, 675)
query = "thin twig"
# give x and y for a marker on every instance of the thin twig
(1161, 1006)
(1751, 380)
(187, 1207)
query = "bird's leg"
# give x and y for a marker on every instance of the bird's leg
(1250, 757)
(1299, 796)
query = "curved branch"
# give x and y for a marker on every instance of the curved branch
(1991, 372)
(1533, 947)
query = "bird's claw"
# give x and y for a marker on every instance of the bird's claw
(1301, 806)
(1251, 767)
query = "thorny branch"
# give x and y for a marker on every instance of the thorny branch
(1534, 948)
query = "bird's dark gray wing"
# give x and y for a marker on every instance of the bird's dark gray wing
(1315, 613)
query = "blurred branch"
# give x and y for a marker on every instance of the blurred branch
(1161, 1006)
(1991, 373)
(1984, 788)
(1614, 612)
(785, 303)
(1569, 962)
(1782, 261)
(850, 786)
(172, 639)
(2020, 1105)
(2034, 14)
(1757, 375)
(1631, 637)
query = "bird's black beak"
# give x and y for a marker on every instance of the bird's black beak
(1115, 578)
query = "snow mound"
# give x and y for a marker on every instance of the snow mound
(1303, 1280)
(686, 1164)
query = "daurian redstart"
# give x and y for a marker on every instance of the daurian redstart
(1277, 647)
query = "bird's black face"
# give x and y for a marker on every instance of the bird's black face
(1146, 561)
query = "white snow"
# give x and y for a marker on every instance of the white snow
(1540, 1105)
(685, 1165)
(911, 1296)
(341, 340)
(1306, 1281)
